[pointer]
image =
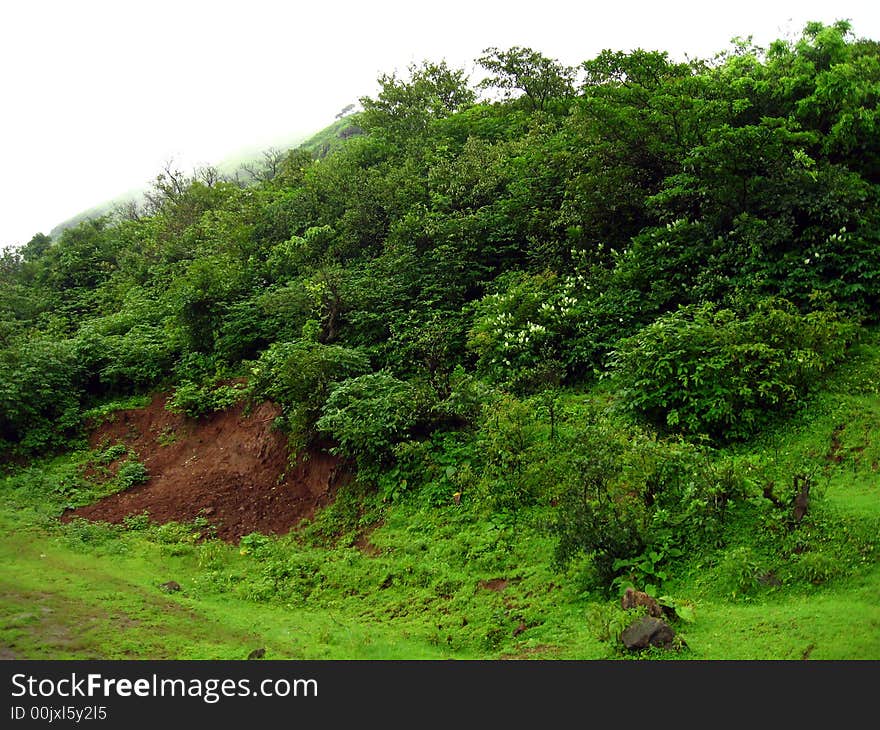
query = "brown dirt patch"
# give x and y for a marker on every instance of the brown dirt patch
(834, 454)
(364, 544)
(227, 467)
(496, 584)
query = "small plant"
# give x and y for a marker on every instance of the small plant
(172, 533)
(816, 568)
(167, 437)
(608, 620)
(298, 376)
(196, 401)
(681, 608)
(83, 532)
(368, 415)
(137, 522)
(254, 544)
(112, 453)
(132, 473)
(738, 571)
(646, 570)
(99, 414)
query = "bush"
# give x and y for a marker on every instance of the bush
(41, 388)
(132, 473)
(529, 322)
(199, 400)
(708, 370)
(436, 468)
(738, 571)
(138, 358)
(635, 504)
(368, 415)
(298, 377)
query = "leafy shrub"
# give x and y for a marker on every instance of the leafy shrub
(433, 467)
(99, 414)
(132, 473)
(41, 387)
(79, 532)
(139, 357)
(464, 403)
(512, 456)
(738, 571)
(636, 504)
(708, 370)
(608, 620)
(198, 400)
(603, 522)
(196, 367)
(138, 522)
(112, 453)
(368, 415)
(172, 533)
(816, 567)
(298, 376)
(531, 320)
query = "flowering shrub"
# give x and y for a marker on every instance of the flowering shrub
(525, 324)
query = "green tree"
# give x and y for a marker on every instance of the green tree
(518, 70)
(404, 107)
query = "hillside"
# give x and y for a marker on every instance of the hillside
(521, 377)
(236, 164)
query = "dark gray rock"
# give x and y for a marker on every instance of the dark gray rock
(648, 631)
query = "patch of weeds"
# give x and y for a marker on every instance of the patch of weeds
(497, 631)
(178, 538)
(814, 568)
(167, 437)
(80, 533)
(608, 620)
(111, 454)
(738, 571)
(131, 473)
(213, 555)
(196, 400)
(137, 523)
(104, 412)
(356, 507)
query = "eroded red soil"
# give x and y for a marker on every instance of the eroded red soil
(229, 468)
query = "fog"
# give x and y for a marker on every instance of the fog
(97, 96)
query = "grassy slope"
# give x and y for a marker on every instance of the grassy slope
(425, 588)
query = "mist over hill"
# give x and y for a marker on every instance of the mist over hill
(239, 165)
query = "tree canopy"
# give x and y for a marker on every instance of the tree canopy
(516, 241)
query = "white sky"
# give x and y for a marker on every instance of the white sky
(96, 95)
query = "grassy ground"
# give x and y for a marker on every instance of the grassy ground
(415, 580)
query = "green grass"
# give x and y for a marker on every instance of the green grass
(59, 602)
(414, 580)
(839, 622)
(65, 598)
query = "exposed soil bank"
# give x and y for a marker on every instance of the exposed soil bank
(229, 468)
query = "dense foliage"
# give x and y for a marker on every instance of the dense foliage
(702, 369)
(706, 232)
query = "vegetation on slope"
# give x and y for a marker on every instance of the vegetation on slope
(613, 328)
